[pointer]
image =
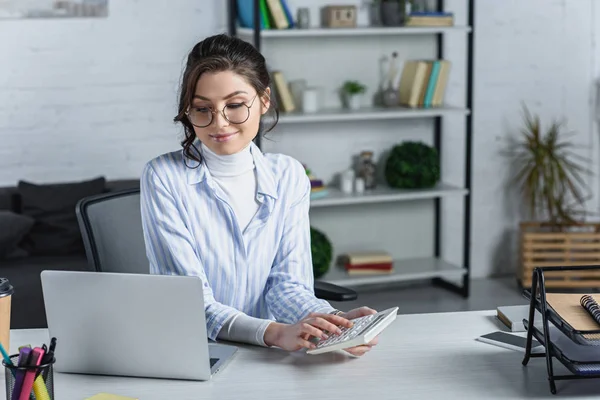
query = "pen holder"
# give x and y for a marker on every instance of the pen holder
(39, 380)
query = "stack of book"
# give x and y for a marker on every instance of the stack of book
(274, 14)
(367, 262)
(430, 18)
(317, 187)
(423, 83)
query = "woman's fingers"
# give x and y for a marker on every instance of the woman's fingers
(306, 344)
(374, 341)
(358, 350)
(325, 325)
(307, 327)
(333, 319)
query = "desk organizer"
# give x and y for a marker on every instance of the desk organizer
(42, 377)
(564, 328)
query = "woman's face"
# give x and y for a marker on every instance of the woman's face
(226, 93)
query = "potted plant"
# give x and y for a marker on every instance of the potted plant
(353, 91)
(393, 12)
(321, 252)
(550, 176)
(412, 165)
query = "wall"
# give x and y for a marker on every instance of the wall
(542, 53)
(80, 98)
(87, 97)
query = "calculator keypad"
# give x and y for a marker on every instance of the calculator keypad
(360, 324)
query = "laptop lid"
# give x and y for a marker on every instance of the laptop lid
(128, 324)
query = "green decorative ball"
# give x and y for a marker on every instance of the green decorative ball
(412, 165)
(322, 252)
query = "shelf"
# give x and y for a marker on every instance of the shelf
(404, 270)
(368, 113)
(385, 194)
(358, 31)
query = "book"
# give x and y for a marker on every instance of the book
(442, 81)
(246, 14)
(513, 316)
(283, 93)
(413, 81)
(360, 271)
(365, 257)
(278, 14)
(590, 304)
(370, 266)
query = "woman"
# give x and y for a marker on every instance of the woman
(237, 218)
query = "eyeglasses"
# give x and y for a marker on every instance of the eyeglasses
(235, 113)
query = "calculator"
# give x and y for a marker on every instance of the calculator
(362, 331)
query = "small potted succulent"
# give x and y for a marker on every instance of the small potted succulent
(353, 91)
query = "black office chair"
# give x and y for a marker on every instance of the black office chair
(111, 227)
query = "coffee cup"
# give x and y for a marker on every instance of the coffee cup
(6, 291)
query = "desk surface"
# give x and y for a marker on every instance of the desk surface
(422, 356)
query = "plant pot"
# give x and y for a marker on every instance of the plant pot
(354, 101)
(546, 245)
(392, 13)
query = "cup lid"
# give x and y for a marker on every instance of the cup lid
(6, 289)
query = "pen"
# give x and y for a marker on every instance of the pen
(5, 355)
(24, 356)
(36, 358)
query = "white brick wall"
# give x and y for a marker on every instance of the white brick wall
(539, 52)
(86, 97)
(80, 98)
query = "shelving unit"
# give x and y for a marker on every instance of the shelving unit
(384, 194)
(368, 113)
(442, 273)
(358, 31)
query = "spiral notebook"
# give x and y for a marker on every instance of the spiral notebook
(570, 308)
(591, 305)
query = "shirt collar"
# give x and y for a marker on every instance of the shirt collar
(197, 172)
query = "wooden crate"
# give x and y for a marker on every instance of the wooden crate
(545, 245)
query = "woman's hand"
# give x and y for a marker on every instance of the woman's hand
(297, 336)
(356, 313)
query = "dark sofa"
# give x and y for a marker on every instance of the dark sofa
(41, 221)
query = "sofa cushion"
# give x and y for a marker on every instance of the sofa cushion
(56, 231)
(14, 228)
(9, 199)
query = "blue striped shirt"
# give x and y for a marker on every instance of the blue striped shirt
(264, 271)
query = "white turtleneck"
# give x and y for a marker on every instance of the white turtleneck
(236, 176)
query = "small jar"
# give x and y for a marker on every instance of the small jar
(310, 100)
(359, 185)
(367, 169)
(347, 181)
(303, 18)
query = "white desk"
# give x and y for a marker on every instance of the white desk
(424, 356)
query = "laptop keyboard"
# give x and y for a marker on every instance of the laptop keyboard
(213, 361)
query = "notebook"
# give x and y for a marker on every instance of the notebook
(568, 307)
(590, 304)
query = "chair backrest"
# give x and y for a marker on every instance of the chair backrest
(111, 227)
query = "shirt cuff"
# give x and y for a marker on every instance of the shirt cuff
(246, 329)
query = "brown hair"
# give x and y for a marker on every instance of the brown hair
(217, 54)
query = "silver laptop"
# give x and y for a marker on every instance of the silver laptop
(139, 325)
